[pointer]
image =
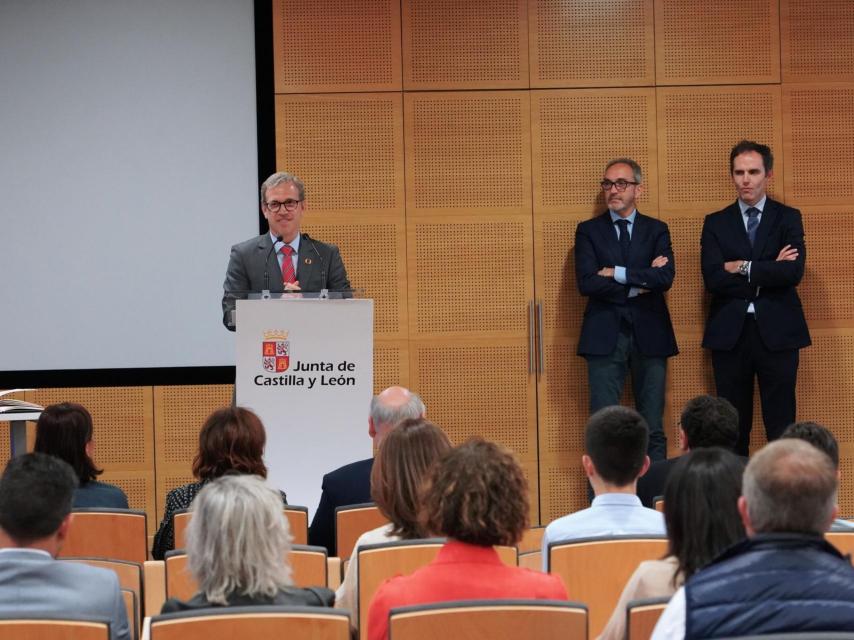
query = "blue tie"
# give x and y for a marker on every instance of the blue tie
(623, 225)
(752, 223)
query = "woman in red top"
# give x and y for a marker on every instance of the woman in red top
(477, 497)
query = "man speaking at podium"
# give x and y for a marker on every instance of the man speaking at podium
(282, 259)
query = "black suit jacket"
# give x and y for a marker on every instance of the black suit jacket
(651, 484)
(771, 287)
(319, 266)
(597, 246)
(350, 484)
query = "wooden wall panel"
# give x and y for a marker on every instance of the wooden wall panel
(717, 42)
(554, 258)
(468, 152)
(687, 299)
(574, 133)
(817, 40)
(347, 148)
(481, 387)
(374, 252)
(449, 44)
(698, 127)
(391, 364)
(470, 276)
(336, 45)
(818, 125)
(578, 43)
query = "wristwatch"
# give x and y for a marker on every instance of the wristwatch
(744, 268)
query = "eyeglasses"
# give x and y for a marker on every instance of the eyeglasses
(289, 205)
(620, 184)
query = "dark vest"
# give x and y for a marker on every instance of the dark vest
(771, 583)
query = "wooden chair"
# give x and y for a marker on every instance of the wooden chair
(115, 534)
(642, 615)
(297, 523)
(532, 540)
(493, 619)
(842, 540)
(385, 560)
(658, 503)
(294, 623)
(51, 628)
(309, 565)
(179, 582)
(595, 570)
(508, 555)
(532, 560)
(155, 586)
(131, 601)
(130, 574)
(353, 520)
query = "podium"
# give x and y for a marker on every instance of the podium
(304, 364)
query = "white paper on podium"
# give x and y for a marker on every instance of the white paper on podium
(306, 368)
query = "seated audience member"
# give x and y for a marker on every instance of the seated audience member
(65, 431)
(36, 493)
(615, 440)
(784, 576)
(237, 547)
(822, 439)
(231, 441)
(706, 421)
(351, 484)
(477, 496)
(701, 513)
(406, 455)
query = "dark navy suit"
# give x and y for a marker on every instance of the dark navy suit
(632, 332)
(350, 484)
(763, 344)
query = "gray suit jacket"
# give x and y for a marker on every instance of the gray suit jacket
(319, 266)
(34, 583)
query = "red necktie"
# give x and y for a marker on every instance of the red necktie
(288, 273)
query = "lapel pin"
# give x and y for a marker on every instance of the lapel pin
(307, 260)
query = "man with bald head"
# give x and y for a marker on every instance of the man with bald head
(784, 576)
(351, 484)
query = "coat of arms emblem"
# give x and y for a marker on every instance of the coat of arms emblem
(276, 351)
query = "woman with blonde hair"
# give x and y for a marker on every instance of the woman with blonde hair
(237, 547)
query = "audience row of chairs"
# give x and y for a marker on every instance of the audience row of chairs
(112, 539)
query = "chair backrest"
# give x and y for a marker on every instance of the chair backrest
(595, 570)
(131, 600)
(294, 623)
(353, 520)
(532, 540)
(532, 560)
(117, 534)
(658, 503)
(179, 581)
(642, 615)
(508, 555)
(129, 573)
(297, 523)
(377, 562)
(155, 586)
(842, 540)
(493, 619)
(309, 566)
(53, 629)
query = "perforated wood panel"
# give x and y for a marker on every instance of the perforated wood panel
(564, 488)
(826, 382)
(562, 305)
(817, 40)
(698, 127)
(347, 149)
(374, 253)
(468, 153)
(717, 42)
(578, 43)
(846, 484)
(563, 399)
(179, 413)
(828, 300)
(336, 45)
(818, 123)
(480, 387)
(470, 275)
(391, 364)
(575, 133)
(449, 44)
(687, 299)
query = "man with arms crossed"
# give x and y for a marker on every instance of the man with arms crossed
(284, 259)
(752, 256)
(624, 264)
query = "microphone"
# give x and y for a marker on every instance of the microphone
(266, 293)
